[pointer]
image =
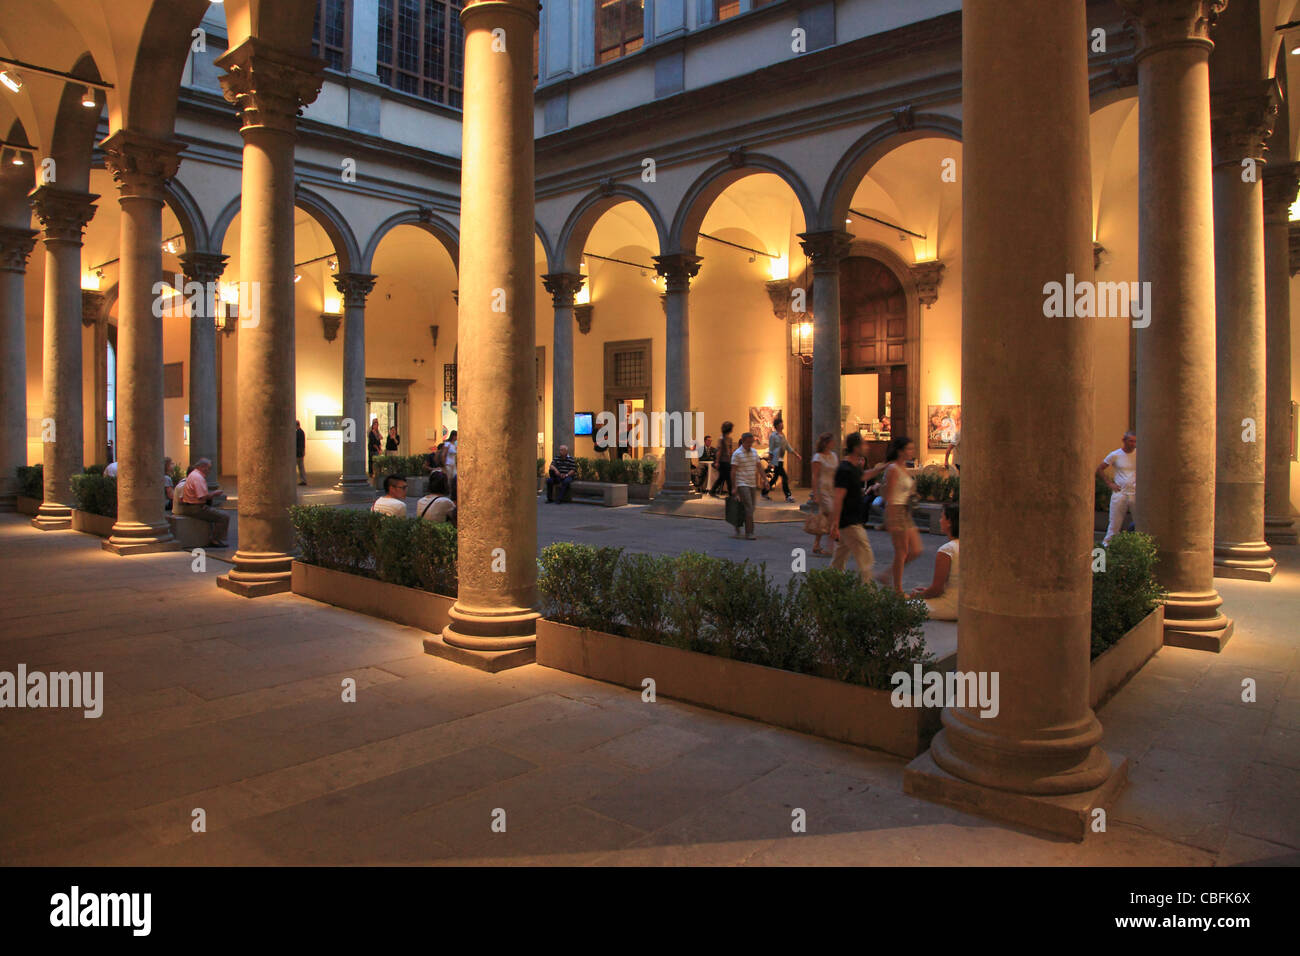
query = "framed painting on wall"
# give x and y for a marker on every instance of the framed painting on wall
(943, 425)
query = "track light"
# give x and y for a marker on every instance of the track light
(12, 81)
(297, 277)
(18, 159)
(88, 98)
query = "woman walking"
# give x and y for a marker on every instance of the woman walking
(824, 463)
(906, 537)
(726, 448)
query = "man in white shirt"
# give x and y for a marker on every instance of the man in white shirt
(747, 474)
(193, 500)
(110, 470)
(393, 501)
(1123, 487)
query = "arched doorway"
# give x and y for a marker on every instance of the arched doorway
(873, 360)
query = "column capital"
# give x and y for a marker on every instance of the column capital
(92, 307)
(354, 287)
(63, 213)
(203, 267)
(563, 286)
(826, 249)
(1281, 183)
(1167, 23)
(1241, 121)
(678, 269)
(269, 86)
(928, 276)
(140, 164)
(15, 246)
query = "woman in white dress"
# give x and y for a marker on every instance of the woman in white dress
(824, 463)
(899, 483)
(941, 594)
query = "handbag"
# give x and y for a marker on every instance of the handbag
(735, 511)
(817, 523)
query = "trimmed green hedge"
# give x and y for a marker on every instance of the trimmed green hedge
(96, 494)
(624, 471)
(404, 466)
(406, 551)
(31, 481)
(825, 622)
(1127, 591)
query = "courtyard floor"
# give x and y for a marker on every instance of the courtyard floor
(232, 706)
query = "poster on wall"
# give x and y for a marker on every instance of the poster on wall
(761, 418)
(944, 425)
(448, 419)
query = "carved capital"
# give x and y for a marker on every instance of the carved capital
(778, 290)
(268, 86)
(1165, 23)
(678, 269)
(140, 165)
(1241, 121)
(92, 307)
(1281, 183)
(203, 267)
(63, 213)
(563, 286)
(582, 313)
(826, 249)
(354, 287)
(928, 276)
(15, 246)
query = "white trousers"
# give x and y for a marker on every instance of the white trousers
(1122, 504)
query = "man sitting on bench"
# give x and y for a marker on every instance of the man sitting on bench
(193, 500)
(560, 475)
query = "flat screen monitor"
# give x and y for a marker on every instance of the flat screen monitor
(582, 422)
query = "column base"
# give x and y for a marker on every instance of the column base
(136, 537)
(677, 492)
(257, 574)
(1066, 815)
(1193, 620)
(355, 486)
(490, 639)
(1248, 561)
(484, 660)
(52, 517)
(1280, 530)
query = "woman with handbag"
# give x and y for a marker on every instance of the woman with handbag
(900, 482)
(824, 463)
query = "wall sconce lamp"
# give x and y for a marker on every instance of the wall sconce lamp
(801, 340)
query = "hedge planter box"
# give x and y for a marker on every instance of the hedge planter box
(639, 492)
(814, 705)
(1115, 665)
(92, 524)
(28, 506)
(392, 602)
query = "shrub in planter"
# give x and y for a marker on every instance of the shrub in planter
(339, 539)
(604, 468)
(586, 469)
(642, 587)
(576, 583)
(95, 494)
(406, 551)
(1127, 591)
(95, 469)
(177, 476)
(541, 468)
(926, 483)
(646, 468)
(31, 481)
(954, 488)
(390, 465)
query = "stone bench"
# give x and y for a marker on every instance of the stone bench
(604, 493)
(190, 532)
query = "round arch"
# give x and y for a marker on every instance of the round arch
(566, 255)
(193, 226)
(713, 182)
(319, 208)
(442, 230)
(869, 150)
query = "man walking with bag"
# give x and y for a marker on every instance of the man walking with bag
(747, 473)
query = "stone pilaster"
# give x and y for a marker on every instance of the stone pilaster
(94, 318)
(141, 167)
(1176, 398)
(1281, 183)
(563, 287)
(15, 246)
(493, 623)
(1241, 121)
(63, 215)
(678, 269)
(269, 87)
(354, 287)
(206, 269)
(826, 250)
(1025, 609)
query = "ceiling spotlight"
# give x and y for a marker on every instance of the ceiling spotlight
(334, 265)
(848, 222)
(88, 99)
(18, 159)
(752, 258)
(170, 246)
(12, 81)
(297, 277)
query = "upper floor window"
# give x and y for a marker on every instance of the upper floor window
(329, 35)
(620, 28)
(422, 48)
(726, 9)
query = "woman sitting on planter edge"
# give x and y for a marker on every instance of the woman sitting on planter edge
(436, 506)
(941, 595)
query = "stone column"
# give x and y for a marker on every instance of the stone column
(269, 87)
(826, 250)
(1025, 604)
(1176, 363)
(354, 287)
(205, 268)
(493, 623)
(562, 286)
(93, 318)
(63, 214)
(1241, 120)
(141, 167)
(678, 270)
(15, 246)
(1281, 182)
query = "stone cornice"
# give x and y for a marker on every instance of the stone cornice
(1162, 24)
(63, 213)
(1241, 121)
(354, 287)
(563, 286)
(15, 246)
(268, 86)
(141, 165)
